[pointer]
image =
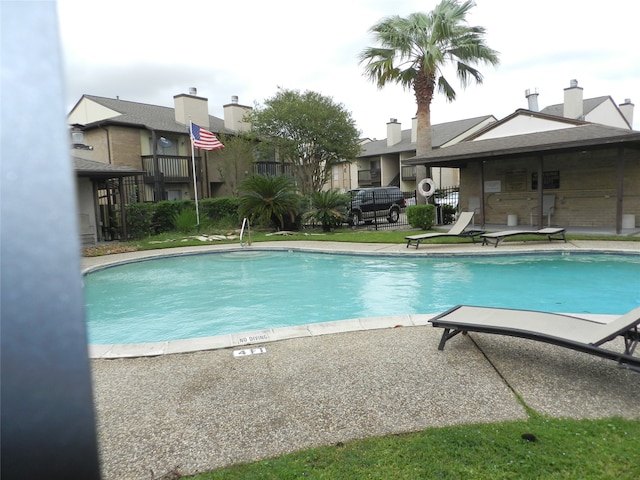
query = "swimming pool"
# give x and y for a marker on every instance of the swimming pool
(209, 294)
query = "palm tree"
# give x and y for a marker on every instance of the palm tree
(269, 200)
(414, 51)
(329, 208)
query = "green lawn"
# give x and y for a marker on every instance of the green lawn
(563, 449)
(169, 240)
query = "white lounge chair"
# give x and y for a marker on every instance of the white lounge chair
(551, 233)
(459, 229)
(564, 330)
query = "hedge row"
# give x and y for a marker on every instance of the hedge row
(146, 219)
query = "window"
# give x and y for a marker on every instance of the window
(550, 180)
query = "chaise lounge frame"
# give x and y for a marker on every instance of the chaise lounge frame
(552, 233)
(459, 229)
(567, 331)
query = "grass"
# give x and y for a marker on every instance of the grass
(176, 239)
(563, 449)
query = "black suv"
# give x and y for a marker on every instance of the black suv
(369, 203)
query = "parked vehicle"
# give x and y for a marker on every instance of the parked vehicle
(370, 203)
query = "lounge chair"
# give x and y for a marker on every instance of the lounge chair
(459, 229)
(566, 331)
(551, 233)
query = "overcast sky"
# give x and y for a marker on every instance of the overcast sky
(149, 51)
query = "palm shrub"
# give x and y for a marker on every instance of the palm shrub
(328, 208)
(186, 220)
(421, 216)
(269, 200)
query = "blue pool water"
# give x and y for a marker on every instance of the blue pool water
(212, 294)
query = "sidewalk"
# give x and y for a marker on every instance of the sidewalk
(203, 410)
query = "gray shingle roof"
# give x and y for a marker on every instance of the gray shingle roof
(583, 136)
(440, 134)
(89, 168)
(588, 105)
(153, 117)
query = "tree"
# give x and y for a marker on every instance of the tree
(414, 51)
(269, 199)
(234, 163)
(329, 208)
(310, 132)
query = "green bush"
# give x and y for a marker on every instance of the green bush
(140, 220)
(186, 221)
(270, 201)
(448, 214)
(147, 219)
(220, 209)
(165, 213)
(328, 208)
(421, 216)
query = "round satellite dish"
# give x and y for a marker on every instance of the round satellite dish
(164, 142)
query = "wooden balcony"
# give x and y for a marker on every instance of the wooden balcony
(171, 168)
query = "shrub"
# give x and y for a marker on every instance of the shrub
(421, 216)
(186, 221)
(140, 220)
(165, 213)
(269, 200)
(328, 208)
(448, 214)
(220, 209)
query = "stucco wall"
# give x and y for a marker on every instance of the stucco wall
(586, 195)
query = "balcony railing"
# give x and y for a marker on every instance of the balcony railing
(367, 178)
(174, 169)
(272, 168)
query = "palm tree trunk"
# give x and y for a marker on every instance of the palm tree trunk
(424, 86)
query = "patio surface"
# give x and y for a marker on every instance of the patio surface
(208, 407)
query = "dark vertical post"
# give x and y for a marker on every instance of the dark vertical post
(123, 210)
(157, 190)
(540, 215)
(619, 189)
(482, 193)
(48, 428)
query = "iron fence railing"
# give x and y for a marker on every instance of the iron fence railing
(382, 220)
(172, 168)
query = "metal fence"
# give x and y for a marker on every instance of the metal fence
(446, 201)
(382, 220)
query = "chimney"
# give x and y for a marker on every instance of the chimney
(394, 132)
(414, 130)
(573, 106)
(532, 98)
(234, 114)
(191, 108)
(627, 111)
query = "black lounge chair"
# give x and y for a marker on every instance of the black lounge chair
(459, 229)
(551, 233)
(564, 330)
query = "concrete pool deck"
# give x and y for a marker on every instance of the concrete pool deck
(201, 410)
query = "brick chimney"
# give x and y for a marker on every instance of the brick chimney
(234, 114)
(191, 107)
(573, 102)
(627, 110)
(394, 132)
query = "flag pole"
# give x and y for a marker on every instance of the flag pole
(193, 166)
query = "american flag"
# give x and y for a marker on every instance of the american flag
(204, 139)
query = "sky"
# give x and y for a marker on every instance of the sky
(148, 51)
